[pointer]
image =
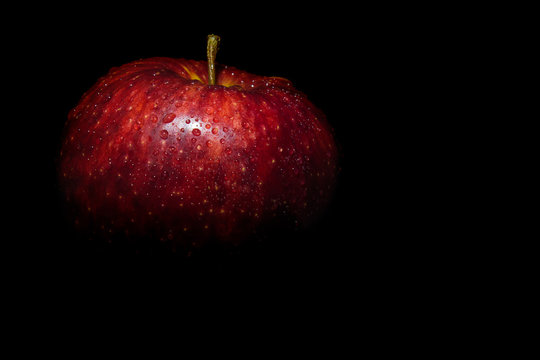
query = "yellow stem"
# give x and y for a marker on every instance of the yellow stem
(211, 51)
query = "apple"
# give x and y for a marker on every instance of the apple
(182, 151)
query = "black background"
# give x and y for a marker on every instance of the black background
(364, 67)
(394, 246)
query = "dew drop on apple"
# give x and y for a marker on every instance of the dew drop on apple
(154, 119)
(169, 118)
(196, 132)
(209, 143)
(164, 134)
(188, 121)
(215, 131)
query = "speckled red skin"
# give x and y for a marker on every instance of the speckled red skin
(152, 151)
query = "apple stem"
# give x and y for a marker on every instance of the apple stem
(211, 51)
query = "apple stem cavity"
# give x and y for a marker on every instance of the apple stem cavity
(211, 51)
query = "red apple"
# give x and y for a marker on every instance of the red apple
(154, 150)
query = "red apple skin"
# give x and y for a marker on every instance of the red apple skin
(152, 151)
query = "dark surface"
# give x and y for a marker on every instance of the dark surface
(387, 270)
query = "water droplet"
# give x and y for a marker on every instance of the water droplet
(208, 126)
(222, 141)
(209, 111)
(164, 134)
(209, 143)
(215, 131)
(245, 125)
(228, 151)
(188, 121)
(182, 130)
(196, 132)
(199, 147)
(193, 140)
(225, 129)
(168, 118)
(154, 119)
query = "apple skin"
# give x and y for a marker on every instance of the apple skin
(151, 151)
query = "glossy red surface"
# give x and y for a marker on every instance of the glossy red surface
(152, 150)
